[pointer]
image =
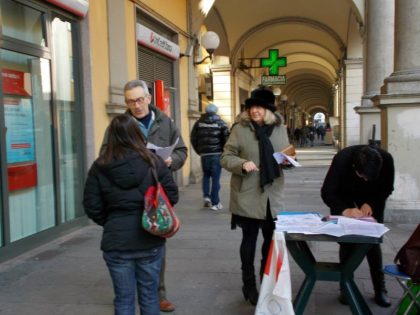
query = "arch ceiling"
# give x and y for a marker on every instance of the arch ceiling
(312, 34)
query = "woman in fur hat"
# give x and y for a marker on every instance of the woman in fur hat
(256, 193)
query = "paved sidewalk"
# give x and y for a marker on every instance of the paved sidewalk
(68, 276)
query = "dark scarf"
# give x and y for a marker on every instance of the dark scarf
(269, 169)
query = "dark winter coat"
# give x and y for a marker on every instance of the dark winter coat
(343, 189)
(163, 133)
(209, 134)
(113, 198)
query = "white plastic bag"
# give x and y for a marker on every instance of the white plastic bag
(276, 291)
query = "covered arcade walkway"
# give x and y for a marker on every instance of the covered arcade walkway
(68, 276)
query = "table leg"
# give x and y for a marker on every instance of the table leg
(306, 261)
(355, 299)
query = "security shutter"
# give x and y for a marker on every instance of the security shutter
(153, 66)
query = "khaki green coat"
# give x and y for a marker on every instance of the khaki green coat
(246, 196)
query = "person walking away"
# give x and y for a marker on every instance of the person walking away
(208, 136)
(256, 185)
(114, 199)
(357, 184)
(158, 129)
(297, 134)
(311, 135)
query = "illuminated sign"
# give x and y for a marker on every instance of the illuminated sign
(273, 62)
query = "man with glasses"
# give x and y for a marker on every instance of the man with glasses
(160, 130)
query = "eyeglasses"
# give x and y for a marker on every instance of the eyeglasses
(139, 100)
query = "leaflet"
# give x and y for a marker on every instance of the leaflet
(163, 152)
(280, 157)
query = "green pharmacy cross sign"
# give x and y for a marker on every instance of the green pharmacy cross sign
(273, 62)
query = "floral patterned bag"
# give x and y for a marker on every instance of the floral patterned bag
(159, 217)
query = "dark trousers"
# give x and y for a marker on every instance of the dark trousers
(250, 229)
(374, 258)
(211, 172)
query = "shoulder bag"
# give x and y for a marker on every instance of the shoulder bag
(158, 217)
(408, 257)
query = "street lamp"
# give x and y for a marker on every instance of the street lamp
(276, 91)
(210, 41)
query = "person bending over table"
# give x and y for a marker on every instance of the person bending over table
(357, 184)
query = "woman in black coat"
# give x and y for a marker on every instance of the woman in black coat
(114, 198)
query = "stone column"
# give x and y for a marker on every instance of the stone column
(400, 112)
(353, 94)
(121, 47)
(378, 62)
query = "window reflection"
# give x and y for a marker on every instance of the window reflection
(22, 22)
(68, 124)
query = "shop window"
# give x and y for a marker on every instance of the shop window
(68, 124)
(22, 22)
(29, 149)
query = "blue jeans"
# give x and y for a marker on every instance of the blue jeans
(131, 269)
(211, 170)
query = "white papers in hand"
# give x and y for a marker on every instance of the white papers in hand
(280, 157)
(163, 152)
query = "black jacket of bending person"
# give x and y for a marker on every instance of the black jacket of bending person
(343, 188)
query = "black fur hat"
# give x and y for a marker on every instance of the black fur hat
(261, 97)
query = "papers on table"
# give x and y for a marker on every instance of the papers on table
(360, 227)
(163, 152)
(299, 222)
(281, 157)
(312, 223)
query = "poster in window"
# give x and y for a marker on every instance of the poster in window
(19, 130)
(20, 138)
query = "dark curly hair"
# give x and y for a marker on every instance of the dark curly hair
(368, 162)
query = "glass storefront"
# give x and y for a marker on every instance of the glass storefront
(42, 144)
(68, 122)
(29, 149)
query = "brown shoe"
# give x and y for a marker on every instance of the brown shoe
(166, 306)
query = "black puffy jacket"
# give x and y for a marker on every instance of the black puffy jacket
(209, 134)
(113, 198)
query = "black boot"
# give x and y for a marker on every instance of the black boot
(342, 298)
(249, 289)
(378, 279)
(382, 299)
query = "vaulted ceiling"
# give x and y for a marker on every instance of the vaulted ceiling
(314, 35)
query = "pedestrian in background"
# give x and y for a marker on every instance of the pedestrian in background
(113, 198)
(256, 186)
(208, 136)
(158, 129)
(357, 184)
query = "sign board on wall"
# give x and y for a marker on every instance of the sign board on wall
(273, 79)
(156, 42)
(78, 7)
(162, 97)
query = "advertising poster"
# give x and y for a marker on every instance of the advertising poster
(20, 137)
(19, 130)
